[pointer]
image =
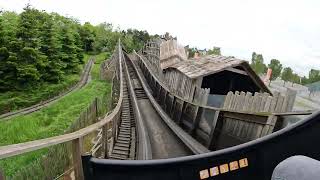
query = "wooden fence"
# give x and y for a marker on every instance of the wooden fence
(216, 128)
(201, 95)
(62, 154)
(259, 102)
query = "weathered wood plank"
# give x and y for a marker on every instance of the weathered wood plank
(76, 158)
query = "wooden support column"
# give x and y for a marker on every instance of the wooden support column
(97, 109)
(269, 126)
(76, 158)
(105, 140)
(213, 133)
(197, 119)
(181, 110)
(2, 177)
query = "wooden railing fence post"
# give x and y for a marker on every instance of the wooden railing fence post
(105, 140)
(213, 133)
(97, 109)
(76, 158)
(2, 177)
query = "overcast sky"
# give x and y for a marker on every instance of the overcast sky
(288, 30)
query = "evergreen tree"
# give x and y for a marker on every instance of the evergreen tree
(214, 51)
(8, 71)
(87, 35)
(2, 35)
(257, 63)
(286, 75)
(32, 62)
(276, 67)
(79, 46)
(314, 75)
(50, 46)
(69, 51)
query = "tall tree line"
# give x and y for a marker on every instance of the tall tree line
(37, 47)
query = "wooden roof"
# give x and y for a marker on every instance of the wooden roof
(207, 65)
(203, 66)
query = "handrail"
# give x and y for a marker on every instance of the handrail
(21, 148)
(215, 108)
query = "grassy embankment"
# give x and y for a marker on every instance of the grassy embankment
(14, 100)
(50, 121)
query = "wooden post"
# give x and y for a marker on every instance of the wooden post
(241, 104)
(227, 100)
(268, 127)
(105, 140)
(76, 158)
(213, 132)
(196, 119)
(181, 110)
(97, 109)
(247, 102)
(268, 104)
(2, 177)
(291, 98)
(264, 101)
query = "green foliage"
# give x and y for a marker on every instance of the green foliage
(37, 47)
(287, 74)
(87, 34)
(314, 86)
(134, 39)
(2, 34)
(295, 78)
(215, 51)
(106, 38)
(276, 67)
(191, 51)
(314, 76)
(257, 63)
(50, 121)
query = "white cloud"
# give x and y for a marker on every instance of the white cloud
(286, 29)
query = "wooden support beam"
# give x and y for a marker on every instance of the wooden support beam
(2, 177)
(238, 71)
(105, 141)
(76, 158)
(213, 131)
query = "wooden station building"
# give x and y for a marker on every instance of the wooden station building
(205, 80)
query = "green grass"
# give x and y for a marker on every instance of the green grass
(99, 59)
(14, 100)
(50, 121)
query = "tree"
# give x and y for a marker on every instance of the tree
(257, 63)
(304, 80)
(50, 46)
(276, 67)
(286, 75)
(214, 51)
(295, 79)
(32, 62)
(314, 75)
(2, 34)
(191, 51)
(87, 35)
(8, 70)
(37, 47)
(69, 51)
(9, 23)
